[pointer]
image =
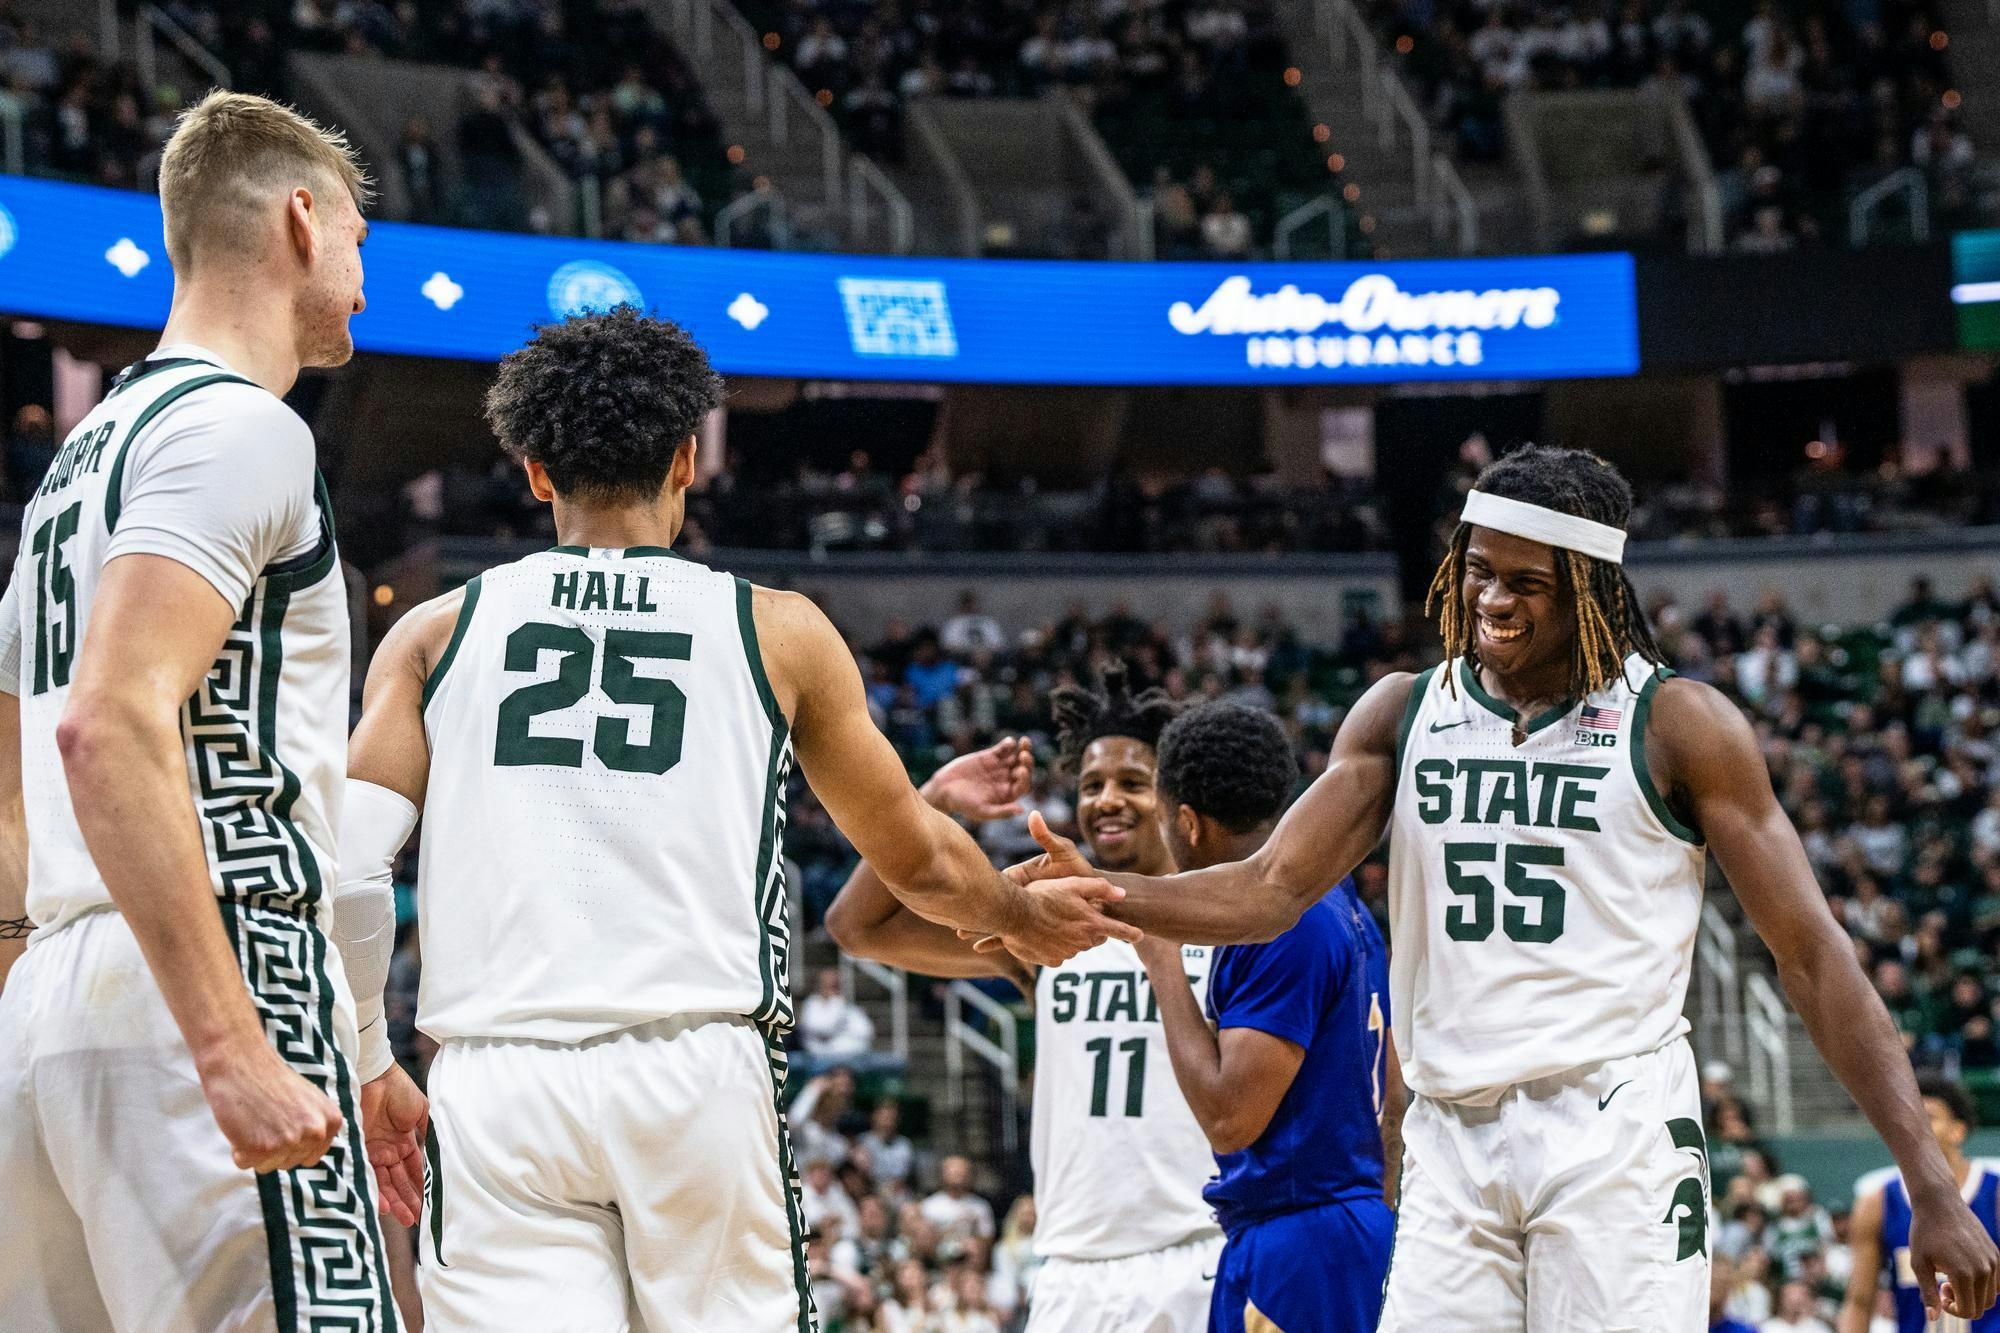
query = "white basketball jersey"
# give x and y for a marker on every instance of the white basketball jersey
(1119, 1158)
(186, 459)
(1543, 899)
(602, 837)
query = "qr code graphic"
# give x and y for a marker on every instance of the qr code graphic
(888, 317)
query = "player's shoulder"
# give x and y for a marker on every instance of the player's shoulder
(421, 639)
(1377, 718)
(256, 433)
(1692, 723)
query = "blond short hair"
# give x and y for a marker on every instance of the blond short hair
(229, 151)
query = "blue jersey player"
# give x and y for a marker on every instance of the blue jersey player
(1292, 1081)
(1880, 1231)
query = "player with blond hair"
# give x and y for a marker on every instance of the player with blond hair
(181, 1077)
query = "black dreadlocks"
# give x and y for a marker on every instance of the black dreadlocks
(1083, 716)
(1609, 620)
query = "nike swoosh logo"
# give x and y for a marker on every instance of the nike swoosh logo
(1449, 725)
(1605, 1100)
(1208, 1277)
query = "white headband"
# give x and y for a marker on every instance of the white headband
(1585, 536)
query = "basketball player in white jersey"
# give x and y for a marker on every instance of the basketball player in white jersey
(599, 737)
(180, 1136)
(1119, 1159)
(1551, 793)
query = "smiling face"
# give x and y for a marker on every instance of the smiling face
(1523, 621)
(1116, 806)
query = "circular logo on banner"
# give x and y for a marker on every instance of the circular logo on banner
(586, 284)
(8, 233)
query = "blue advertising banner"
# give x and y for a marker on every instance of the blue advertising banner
(81, 253)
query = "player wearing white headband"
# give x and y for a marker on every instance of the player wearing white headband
(1551, 794)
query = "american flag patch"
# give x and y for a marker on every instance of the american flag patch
(1600, 719)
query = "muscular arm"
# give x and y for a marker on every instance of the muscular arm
(1233, 1079)
(1703, 753)
(388, 747)
(928, 862)
(156, 626)
(14, 922)
(1325, 834)
(1864, 1281)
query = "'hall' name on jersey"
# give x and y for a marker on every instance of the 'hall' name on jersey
(1531, 793)
(81, 453)
(588, 590)
(1110, 996)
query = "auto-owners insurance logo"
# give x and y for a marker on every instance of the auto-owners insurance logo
(9, 233)
(1373, 323)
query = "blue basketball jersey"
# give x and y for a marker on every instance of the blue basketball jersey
(1983, 1193)
(1323, 985)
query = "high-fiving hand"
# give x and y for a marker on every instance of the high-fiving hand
(1955, 1262)
(1061, 870)
(986, 784)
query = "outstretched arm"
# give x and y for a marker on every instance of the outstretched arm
(925, 859)
(1325, 834)
(1705, 757)
(866, 920)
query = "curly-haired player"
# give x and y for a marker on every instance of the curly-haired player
(1119, 1160)
(1551, 795)
(600, 736)
(1290, 1071)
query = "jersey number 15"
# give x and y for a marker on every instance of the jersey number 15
(516, 744)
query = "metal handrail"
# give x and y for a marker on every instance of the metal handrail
(1325, 205)
(930, 141)
(1770, 1049)
(1104, 167)
(1453, 202)
(1397, 95)
(769, 198)
(13, 156)
(1717, 983)
(1705, 218)
(1910, 181)
(961, 1037)
(864, 177)
(1386, 99)
(152, 19)
(109, 43)
(796, 97)
(896, 983)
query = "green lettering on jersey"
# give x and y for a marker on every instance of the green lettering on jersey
(1434, 790)
(1063, 988)
(1538, 794)
(595, 595)
(564, 594)
(646, 602)
(1096, 982)
(1124, 1000)
(1509, 802)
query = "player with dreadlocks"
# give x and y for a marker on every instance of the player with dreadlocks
(1119, 1159)
(1551, 793)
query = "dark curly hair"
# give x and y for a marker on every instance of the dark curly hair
(1954, 1096)
(1230, 762)
(602, 400)
(1609, 620)
(1083, 716)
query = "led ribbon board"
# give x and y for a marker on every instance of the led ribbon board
(1975, 287)
(93, 255)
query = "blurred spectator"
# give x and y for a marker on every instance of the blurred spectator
(833, 1028)
(958, 1214)
(1796, 1312)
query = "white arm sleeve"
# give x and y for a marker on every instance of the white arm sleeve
(374, 824)
(10, 633)
(224, 485)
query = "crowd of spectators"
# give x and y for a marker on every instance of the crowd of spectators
(865, 507)
(1798, 109)
(1190, 94)
(592, 81)
(1884, 746)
